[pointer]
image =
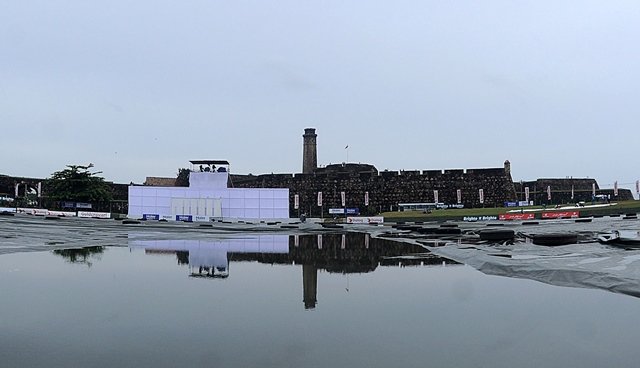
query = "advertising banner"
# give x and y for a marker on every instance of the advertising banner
(366, 198)
(572, 193)
(479, 218)
(33, 211)
(343, 197)
(61, 213)
(593, 190)
(88, 214)
(150, 216)
(526, 194)
(459, 195)
(615, 188)
(296, 201)
(637, 186)
(83, 205)
(336, 211)
(7, 209)
(39, 189)
(435, 196)
(365, 220)
(560, 214)
(481, 194)
(353, 211)
(549, 192)
(516, 216)
(185, 218)
(319, 199)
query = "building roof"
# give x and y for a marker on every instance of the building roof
(209, 162)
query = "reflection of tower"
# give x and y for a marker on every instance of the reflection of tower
(309, 151)
(310, 286)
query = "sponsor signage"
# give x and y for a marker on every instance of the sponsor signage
(365, 220)
(33, 211)
(479, 218)
(339, 211)
(185, 218)
(167, 217)
(593, 189)
(61, 213)
(615, 188)
(296, 201)
(481, 195)
(39, 189)
(83, 205)
(560, 214)
(549, 192)
(7, 209)
(319, 241)
(201, 218)
(343, 197)
(459, 195)
(526, 194)
(68, 205)
(366, 198)
(511, 204)
(89, 214)
(319, 199)
(572, 193)
(150, 216)
(435, 196)
(516, 216)
(353, 211)
(637, 186)
(523, 203)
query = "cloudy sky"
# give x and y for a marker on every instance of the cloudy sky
(140, 87)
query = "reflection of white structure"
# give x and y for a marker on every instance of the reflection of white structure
(207, 198)
(211, 255)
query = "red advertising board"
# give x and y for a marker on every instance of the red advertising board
(560, 214)
(517, 216)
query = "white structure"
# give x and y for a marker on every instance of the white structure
(208, 198)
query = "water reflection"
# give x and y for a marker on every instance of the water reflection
(333, 253)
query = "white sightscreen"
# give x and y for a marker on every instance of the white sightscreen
(235, 203)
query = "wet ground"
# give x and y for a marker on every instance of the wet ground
(97, 293)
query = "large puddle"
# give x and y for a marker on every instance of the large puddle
(96, 294)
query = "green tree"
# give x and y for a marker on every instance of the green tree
(183, 178)
(76, 183)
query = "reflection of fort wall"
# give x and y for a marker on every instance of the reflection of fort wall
(357, 253)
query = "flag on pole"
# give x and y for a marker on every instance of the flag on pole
(347, 146)
(615, 188)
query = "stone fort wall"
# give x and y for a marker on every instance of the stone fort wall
(386, 189)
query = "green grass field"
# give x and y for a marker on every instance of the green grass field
(459, 214)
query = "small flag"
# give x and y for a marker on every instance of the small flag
(347, 146)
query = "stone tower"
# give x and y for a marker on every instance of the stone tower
(309, 151)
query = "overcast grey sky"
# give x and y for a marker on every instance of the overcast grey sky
(140, 87)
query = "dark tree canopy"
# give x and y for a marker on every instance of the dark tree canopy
(76, 183)
(183, 178)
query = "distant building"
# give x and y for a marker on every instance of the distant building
(207, 198)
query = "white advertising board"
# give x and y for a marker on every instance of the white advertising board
(89, 214)
(365, 220)
(61, 213)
